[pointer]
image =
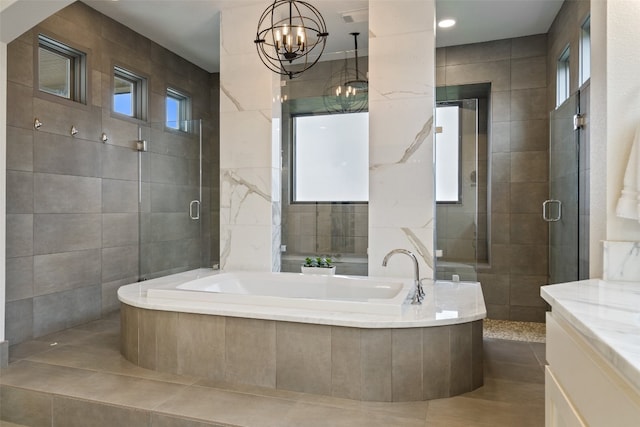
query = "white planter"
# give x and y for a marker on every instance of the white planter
(330, 271)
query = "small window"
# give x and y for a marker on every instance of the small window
(178, 110)
(129, 94)
(585, 51)
(331, 158)
(62, 70)
(563, 77)
(447, 143)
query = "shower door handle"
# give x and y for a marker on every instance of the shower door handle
(545, 210)
(196, 204)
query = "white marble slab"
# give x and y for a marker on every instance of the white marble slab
(446, 303)
(607, 314)
(621, 261)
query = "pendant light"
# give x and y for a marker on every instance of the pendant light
(291, 37)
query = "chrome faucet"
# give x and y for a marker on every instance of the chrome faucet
(418, 295)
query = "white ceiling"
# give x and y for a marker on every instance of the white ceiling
(190, 28)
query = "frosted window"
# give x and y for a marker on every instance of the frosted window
(448, 154)
(585, 52)
(562, 77)
(331, 158)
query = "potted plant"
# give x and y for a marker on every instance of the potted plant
(318, 265)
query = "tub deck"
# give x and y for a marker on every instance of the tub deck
(446, 303)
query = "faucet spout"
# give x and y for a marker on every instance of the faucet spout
(419, 292)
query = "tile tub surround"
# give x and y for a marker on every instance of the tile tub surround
(410, 357)
(607, 314)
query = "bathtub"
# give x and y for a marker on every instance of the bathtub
(307, 333)
(354, 294)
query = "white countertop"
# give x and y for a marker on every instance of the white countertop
(445, 303)
(607, 314)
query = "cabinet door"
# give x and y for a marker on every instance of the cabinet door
(559, 412)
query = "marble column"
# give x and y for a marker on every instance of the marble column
(249, 156)
(401, 109)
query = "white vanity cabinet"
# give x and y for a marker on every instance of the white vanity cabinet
(593, 355)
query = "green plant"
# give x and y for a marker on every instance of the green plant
(318, 262)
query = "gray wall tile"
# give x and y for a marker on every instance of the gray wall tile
(201, 345)
(406, 366)
(19, 278)
(20, 69)
(529, 104)
(250, 351)
(119, 163)
(110, 302)
(530, 166)
(524, 47)
(19, 192)
(479, 52)
(61, 310)
(119, 263)
(303, 357)
(530, 135)
(19, 149)
(375, 345)
(66, 232)
(19, 235)
(461, 358)
(529, 73)
(436, 353)
(119, 229)
(346, 372)
(119, 196)
(19, 320)
(21, 113)
(65, 155)
(63, 271)
(67, 194)
(169, 170)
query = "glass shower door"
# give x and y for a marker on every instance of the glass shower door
(561, 210)
(456, 152)
(173, 217)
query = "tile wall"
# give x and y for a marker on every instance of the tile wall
(518, 150)
(72, 202)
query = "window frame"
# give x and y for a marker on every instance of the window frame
(78, 69)
(183, 111)
(139, 97)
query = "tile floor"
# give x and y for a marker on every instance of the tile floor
(78, 378)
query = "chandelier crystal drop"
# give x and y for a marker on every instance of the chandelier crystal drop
(291, 37)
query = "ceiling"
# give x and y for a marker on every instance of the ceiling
(190, 28)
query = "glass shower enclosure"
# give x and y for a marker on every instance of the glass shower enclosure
(174, 185)
(459, 234)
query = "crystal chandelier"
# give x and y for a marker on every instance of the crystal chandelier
(347, 90)
(291, 37)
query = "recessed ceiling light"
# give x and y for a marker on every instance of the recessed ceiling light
(447, 23)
